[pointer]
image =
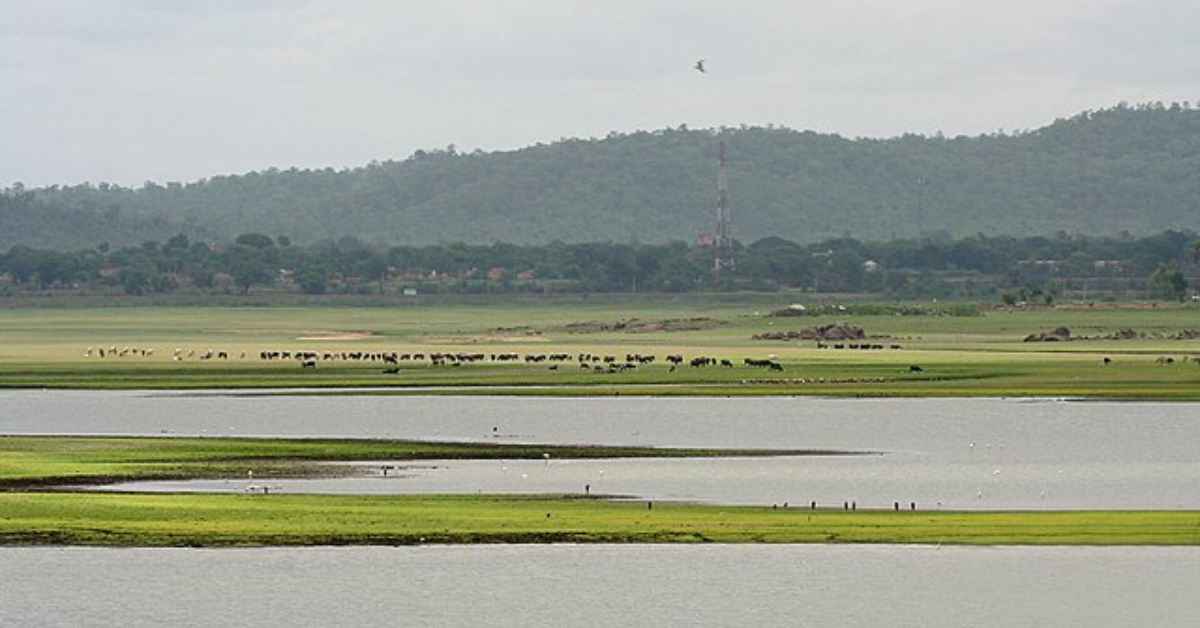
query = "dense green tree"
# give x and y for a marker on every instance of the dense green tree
(1168, 281)
(249, 266)
(256, 240)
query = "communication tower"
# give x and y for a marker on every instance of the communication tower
(722, 241)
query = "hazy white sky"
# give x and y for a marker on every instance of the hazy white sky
(174, 90)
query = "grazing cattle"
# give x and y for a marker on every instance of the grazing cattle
(308, 364)
(915, 368)
(766, 364)
(1107, 360)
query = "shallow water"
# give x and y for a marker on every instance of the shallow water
(874, 482)
(949, 453)
(565, 585)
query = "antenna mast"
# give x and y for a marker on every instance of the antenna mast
(722, 242)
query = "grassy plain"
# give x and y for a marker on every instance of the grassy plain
(975, 355)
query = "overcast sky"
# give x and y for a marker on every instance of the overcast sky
(127, 91)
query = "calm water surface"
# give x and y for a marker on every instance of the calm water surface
(948, 453)
(563, 585)
(986, 453)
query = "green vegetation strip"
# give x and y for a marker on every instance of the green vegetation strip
(287, 520)
(28, 517)
(45, 461)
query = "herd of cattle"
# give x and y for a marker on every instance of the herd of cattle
(587, 361)
(392, 360)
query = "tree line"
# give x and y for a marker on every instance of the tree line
(1015, 269)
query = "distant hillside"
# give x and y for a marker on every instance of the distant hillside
(1127, 169)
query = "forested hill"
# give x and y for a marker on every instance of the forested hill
(1126, 169)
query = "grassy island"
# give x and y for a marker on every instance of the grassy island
(40, 507)
(259, 520)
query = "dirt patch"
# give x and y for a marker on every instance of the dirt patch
(515, 334)
(337, 335)
(635, 326)
(674, 324)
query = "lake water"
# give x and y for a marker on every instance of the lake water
(938, 453)
(602, 585)
(979, 453)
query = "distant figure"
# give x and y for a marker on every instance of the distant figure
(1107, 361)
(700, 66)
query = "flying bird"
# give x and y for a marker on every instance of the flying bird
(700, 66)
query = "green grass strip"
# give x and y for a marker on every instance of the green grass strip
(152, 520)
